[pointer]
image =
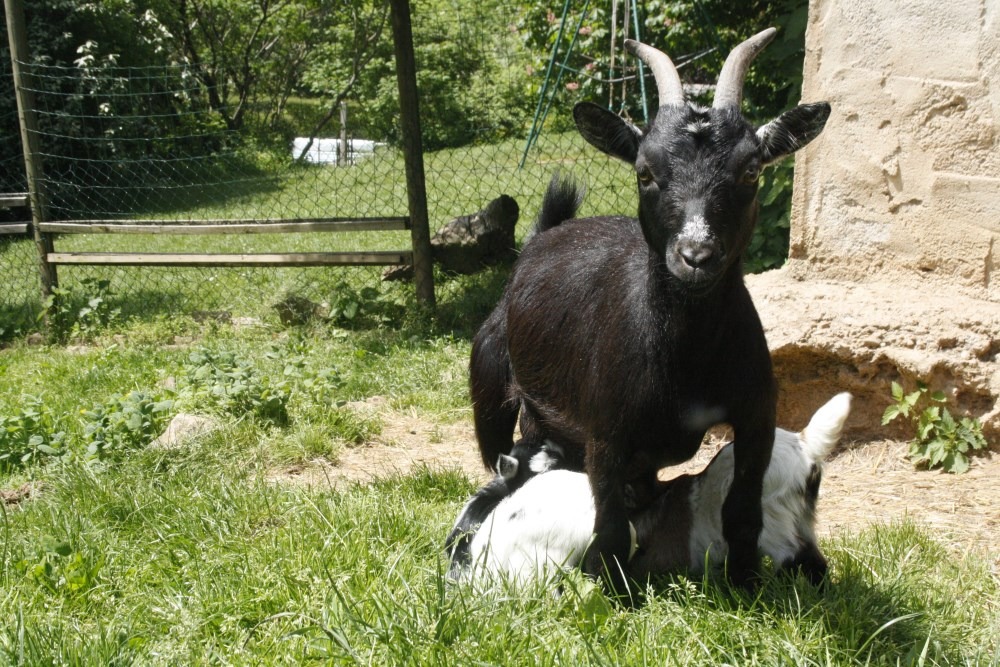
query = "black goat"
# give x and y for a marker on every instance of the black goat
(613, 331)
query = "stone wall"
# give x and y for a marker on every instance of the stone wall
(895, 249)
(904, 183)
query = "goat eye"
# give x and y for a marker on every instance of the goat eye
(750, 176)
(645, 176)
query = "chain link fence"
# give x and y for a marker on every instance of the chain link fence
(133, 145)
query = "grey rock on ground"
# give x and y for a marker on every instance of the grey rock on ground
(183, 427)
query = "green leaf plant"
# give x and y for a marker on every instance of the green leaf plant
(941, 440)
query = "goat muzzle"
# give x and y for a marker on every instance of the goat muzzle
(696, 255)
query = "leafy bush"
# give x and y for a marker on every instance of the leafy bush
(80, 312)
(28, 436)
(769, 244)
(941, 439)
(124, 423)
(223, 382)
(348, 304)
(318, 384)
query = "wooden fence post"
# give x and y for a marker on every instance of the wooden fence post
(17, 36)
(409, 112)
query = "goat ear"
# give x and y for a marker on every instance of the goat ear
(507, 466)
(607, 131)
(792, 130)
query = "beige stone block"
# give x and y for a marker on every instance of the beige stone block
(919, 38)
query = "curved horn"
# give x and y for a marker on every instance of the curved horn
(668, 82)
(729, 90)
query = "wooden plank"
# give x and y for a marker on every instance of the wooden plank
(378, 258)
(13, 200)
(14, 228)
(265, 226)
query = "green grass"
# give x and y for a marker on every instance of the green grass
(190, 556)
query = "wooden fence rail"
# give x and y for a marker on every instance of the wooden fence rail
(162, 227)
(45, 231)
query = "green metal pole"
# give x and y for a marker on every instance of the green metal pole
(642, 70)
(562, 65)
(545, 84)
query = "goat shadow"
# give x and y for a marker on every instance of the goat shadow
(869, 620)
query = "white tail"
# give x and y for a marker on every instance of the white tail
(823, 432)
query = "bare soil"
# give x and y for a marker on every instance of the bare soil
(864, 483)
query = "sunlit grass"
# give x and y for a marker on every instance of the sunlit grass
(195, 555)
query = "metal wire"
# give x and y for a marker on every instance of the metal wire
(153, 150)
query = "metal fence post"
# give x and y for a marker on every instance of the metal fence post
(18, 39)
(416, 192)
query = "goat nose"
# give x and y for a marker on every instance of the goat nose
(696, 255)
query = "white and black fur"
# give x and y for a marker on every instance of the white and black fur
(513, 470)
(547, 524)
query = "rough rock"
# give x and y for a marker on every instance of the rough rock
(16, 496)
(469, 243)
(182, 428)
(826, 337)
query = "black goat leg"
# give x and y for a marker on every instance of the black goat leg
(607, 556)
(742, 513)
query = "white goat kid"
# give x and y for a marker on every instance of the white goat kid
(547, 524)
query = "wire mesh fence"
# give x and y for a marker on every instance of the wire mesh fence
(134, 145)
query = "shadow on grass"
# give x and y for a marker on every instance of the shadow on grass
(346, 303)
(903, 620)
(465, 301)
(19, 319)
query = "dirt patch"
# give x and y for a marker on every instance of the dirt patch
(876, 483)
(864, 483)
(406, 443)
(16, 496)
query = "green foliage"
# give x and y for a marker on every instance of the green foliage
(124, 423)
(473, 80)
(769, 244)
(29, 436)
(680, 28)
(349, 304)
(62, 571)
(223, 382)
(80, 312)
(940, 440)
(298, 369)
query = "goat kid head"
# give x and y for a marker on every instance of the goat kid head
(697, 168)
